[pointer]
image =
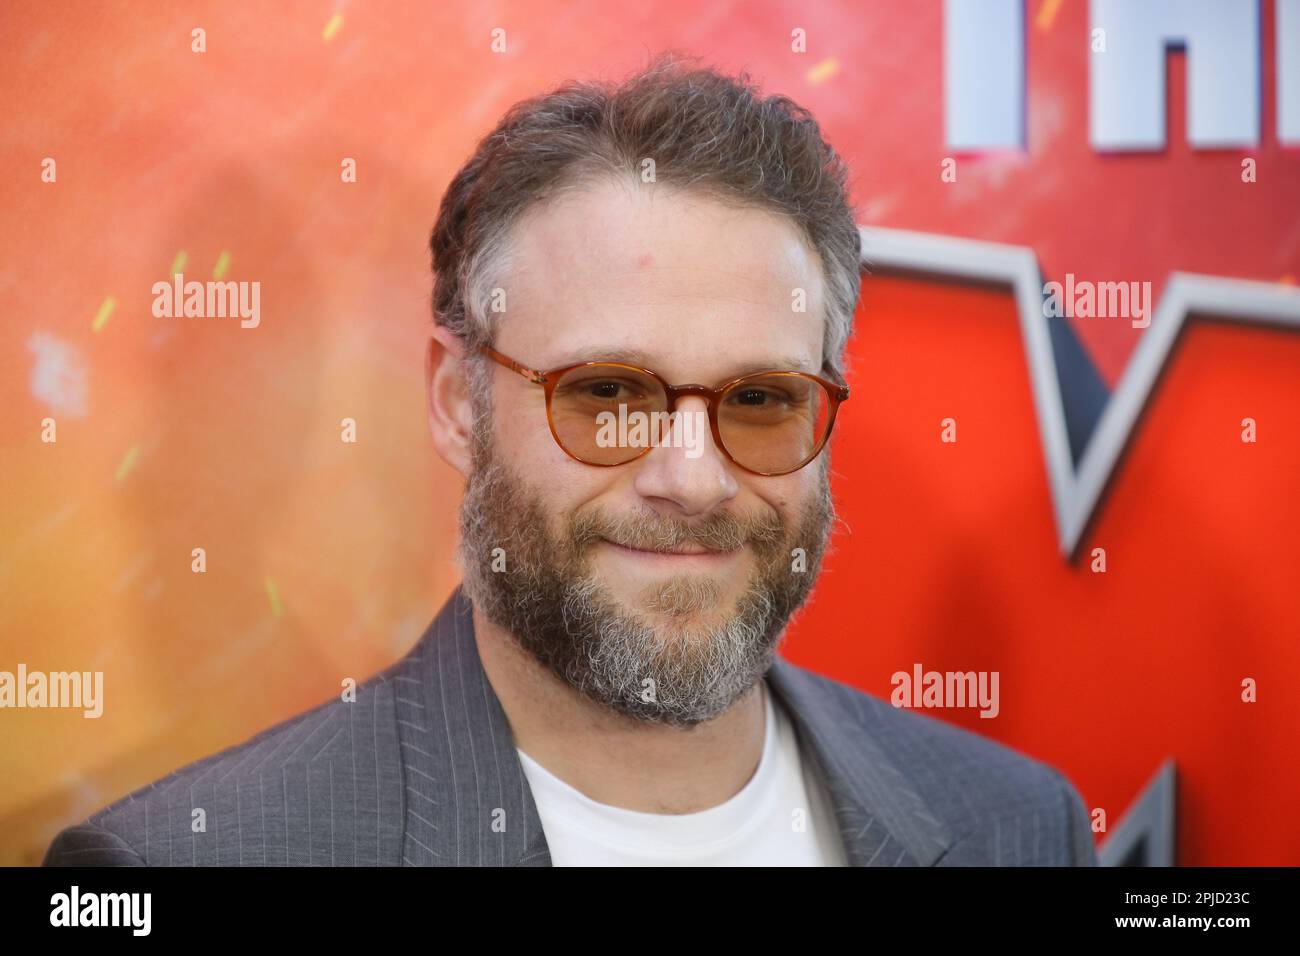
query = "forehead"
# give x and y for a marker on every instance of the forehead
(677, 276)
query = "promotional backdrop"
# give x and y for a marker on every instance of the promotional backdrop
(130, 155)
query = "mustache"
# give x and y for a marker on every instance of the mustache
(721, 531)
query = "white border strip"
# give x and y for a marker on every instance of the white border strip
(1075, 495)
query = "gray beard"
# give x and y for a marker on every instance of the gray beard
(551, 604)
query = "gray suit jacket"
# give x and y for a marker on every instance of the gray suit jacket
(421, 770)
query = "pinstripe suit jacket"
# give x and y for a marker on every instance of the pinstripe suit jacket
(421, 770)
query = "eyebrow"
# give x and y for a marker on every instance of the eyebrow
(634, 356)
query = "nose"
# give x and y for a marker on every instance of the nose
(687, 473)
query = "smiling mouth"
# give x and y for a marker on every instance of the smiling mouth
(685, 550)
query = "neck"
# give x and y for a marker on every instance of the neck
(611, 758)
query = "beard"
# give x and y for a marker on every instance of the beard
(682, 662)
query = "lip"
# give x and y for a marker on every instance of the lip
(696, 553)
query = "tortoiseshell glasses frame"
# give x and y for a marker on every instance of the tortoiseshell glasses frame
(763, 459)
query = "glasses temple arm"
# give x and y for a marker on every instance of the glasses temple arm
(534, 376)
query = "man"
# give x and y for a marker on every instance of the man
(642, 300)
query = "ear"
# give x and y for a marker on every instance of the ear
(451, 416)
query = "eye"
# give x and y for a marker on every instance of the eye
(759, 396)
(609, 390)
(605, 390)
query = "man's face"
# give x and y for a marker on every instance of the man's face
(660, 587)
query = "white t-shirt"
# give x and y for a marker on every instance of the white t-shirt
(759, 826)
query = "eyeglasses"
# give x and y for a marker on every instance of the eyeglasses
(768, 423)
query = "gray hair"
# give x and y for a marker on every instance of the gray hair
(705, 131)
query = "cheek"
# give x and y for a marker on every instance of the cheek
(561, 485)
(788, 494)
(524, 439)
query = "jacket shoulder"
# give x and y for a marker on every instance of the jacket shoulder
(999, 803)
(322, 783)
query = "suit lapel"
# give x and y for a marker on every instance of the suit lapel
(467, 801)
(883, 820)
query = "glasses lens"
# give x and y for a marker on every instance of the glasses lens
(774, 423)
(608, 414)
